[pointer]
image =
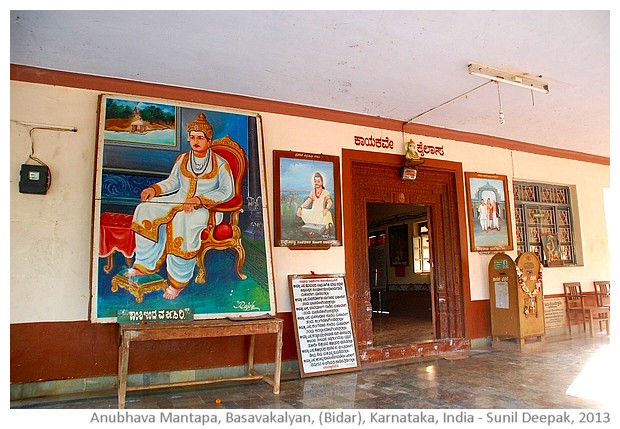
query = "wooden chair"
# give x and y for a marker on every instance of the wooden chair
(576, 310)
(225, 234)
(603, 297)
(575, 305)
(602, 290)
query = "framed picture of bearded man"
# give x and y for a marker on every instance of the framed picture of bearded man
(307, 200)
(180, 219)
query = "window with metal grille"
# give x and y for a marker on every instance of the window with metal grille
(544, 222)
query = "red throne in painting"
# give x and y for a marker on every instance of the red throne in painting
(226, 234)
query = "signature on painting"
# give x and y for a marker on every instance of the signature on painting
(246, 306)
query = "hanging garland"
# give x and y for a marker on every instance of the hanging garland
(532, 294)
(537, 288)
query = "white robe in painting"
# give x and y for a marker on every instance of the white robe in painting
(316, 214)
(164, 229)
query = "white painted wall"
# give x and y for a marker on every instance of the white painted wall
(51, 234)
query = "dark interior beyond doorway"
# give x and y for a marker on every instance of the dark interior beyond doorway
(399, 274)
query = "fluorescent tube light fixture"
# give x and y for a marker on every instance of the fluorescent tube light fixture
(524, 80)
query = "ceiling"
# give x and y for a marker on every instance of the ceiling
(392, 64)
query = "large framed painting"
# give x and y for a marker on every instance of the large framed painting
(180, 220)
(306, 200)
(490, 225)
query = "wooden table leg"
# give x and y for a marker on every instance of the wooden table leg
(591, 322)
(251, 355)
(606, 324)
(277, 364)
(123, 365)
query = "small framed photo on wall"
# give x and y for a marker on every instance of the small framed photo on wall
(551, 249)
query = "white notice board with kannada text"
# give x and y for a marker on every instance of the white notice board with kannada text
(324, 331)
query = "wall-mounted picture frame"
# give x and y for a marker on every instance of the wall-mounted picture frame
(398, 240)
(551, 250)
(180, 218)
(306, 200)
(488, 203)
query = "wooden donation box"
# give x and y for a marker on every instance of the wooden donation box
(516, 298)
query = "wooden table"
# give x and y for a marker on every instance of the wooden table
(199, 329)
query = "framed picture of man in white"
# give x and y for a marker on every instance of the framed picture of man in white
(307, 200)
(179, 212)
(490, 227)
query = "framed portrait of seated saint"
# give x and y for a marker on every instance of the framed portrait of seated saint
(307, 200)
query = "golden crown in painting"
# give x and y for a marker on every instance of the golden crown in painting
(201, 124)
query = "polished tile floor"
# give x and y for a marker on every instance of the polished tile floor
(563, 372)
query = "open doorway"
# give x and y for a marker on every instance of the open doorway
(375, 178)
(400, 275)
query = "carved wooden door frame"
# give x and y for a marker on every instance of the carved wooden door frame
(370, 177)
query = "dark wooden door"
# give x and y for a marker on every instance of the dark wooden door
(376, 178)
